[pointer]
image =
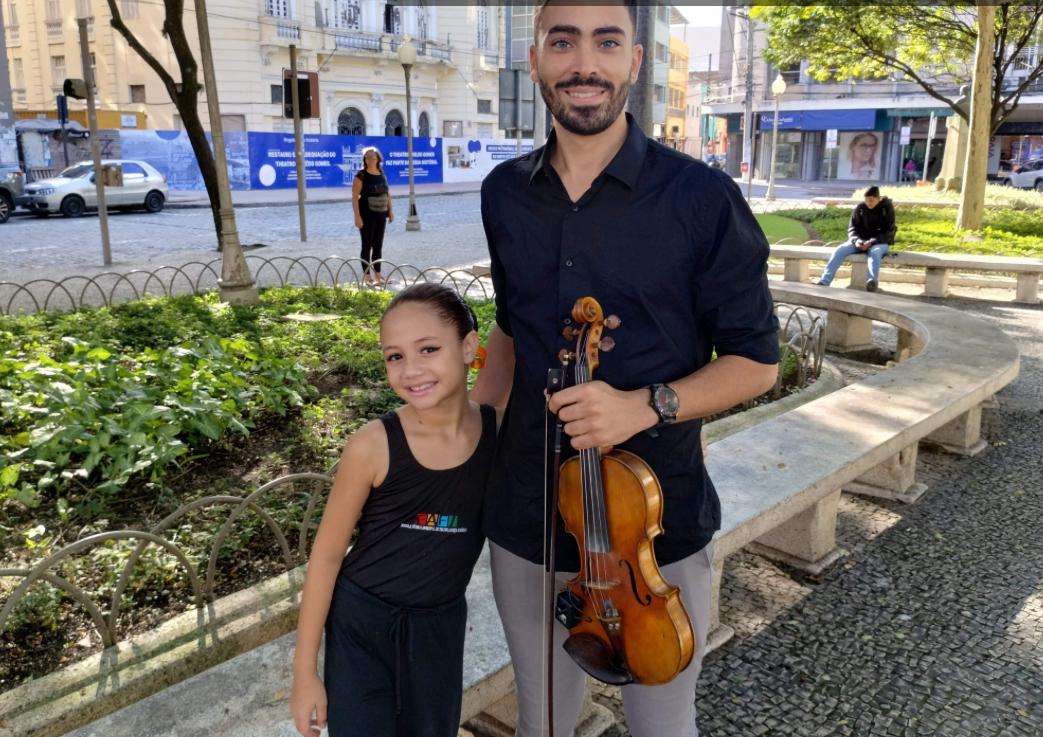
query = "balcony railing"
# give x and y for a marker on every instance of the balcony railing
(349, 39)
(288, 29)
(14, 36)
(435, 50)
(54, 28)
(492, 59)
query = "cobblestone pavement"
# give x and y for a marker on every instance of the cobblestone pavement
(932, 625)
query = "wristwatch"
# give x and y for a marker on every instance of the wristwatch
(665, 402)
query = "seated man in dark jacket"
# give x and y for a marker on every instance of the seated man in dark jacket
(872, 231)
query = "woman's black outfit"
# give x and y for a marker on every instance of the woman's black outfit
(395, 630)
(374, 221)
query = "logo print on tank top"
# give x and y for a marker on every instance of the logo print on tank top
(435, 523)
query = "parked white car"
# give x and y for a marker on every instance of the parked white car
(1025, 176)
(73, 192)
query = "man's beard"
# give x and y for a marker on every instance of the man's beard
(586, 120)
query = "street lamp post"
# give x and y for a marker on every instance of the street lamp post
(778, 88)
(407, 57)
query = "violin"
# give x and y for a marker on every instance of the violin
(626, 623)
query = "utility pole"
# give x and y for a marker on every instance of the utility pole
(298, 143)
(747, 127)
(641, 95)
(236, 285)
(8, 146)
(92, 120)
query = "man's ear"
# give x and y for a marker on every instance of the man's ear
(635, 64)
(532, 64)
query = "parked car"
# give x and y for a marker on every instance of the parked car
(1026, 176)
(73, 192)
(12, 184)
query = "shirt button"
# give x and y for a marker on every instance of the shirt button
(568, 262)
(575, 208)
(568, 321)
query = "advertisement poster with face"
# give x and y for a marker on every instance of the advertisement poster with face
(859, 155)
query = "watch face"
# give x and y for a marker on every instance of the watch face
(666, 400)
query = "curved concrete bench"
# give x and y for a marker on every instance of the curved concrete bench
(938, 268)
(780, 481)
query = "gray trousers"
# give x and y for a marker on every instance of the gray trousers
(651, 711)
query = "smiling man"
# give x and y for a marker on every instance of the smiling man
(668, 245)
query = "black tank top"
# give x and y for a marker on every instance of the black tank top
(420, 532)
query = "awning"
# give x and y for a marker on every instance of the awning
(822, 120)
(1021, 128)
(919, 112)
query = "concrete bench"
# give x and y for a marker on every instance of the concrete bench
(938, 267)
(850, 202)
(780, 481)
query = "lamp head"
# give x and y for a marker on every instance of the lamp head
(407, 51)
(778, 87)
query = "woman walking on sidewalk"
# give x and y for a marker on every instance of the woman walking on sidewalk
(372, 205)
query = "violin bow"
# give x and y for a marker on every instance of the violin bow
(555, 381)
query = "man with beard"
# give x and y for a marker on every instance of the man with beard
(668, 245)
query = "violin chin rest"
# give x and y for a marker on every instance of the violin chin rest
(592, 656)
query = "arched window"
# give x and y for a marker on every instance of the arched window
(423, 126)
(392, 19)
(482, 23)
(394, 124)
(351, 122)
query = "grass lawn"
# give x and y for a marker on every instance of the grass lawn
(1007, 231)
(777, 228)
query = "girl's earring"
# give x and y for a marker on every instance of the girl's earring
(479, 359)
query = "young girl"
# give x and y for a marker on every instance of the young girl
(413, 481)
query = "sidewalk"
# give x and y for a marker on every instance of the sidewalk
(314, 195)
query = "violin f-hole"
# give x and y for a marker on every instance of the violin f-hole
(647, 600)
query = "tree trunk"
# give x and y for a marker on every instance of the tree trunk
(196, 133)
(972, 197)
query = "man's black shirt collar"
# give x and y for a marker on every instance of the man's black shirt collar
(625, 165)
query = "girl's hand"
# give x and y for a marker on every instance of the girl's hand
(308, 705)
(391, 216)
(358, 222)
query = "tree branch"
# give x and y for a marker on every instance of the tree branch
(132, 41)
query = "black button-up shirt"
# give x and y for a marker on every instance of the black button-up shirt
(667, 244)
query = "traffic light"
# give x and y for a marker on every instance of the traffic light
(75, 88)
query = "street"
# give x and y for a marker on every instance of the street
(451, 234)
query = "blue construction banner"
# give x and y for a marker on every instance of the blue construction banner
(171, 153)
(332, 161)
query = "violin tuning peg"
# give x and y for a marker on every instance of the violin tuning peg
(564, 356)
(606, 344)
(612, 322)
(570, 333)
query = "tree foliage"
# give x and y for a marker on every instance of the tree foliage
(931, 45)
(184, 93)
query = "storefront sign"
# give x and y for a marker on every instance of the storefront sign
(904, 139)
(471, 159)
(831, 138)
(933, 127)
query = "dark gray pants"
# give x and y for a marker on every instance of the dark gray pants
(651, 711)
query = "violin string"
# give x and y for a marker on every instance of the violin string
(599, 511)
(594, 561)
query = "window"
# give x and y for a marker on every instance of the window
(423, 126)
(394, 124)
(660, 93)
(393, 19)
(54, 10)
(421, 20)
(12, 14)
(662, 53)
(131, 169)
(482, 23)
(57, 69)
(137, 93)
(277, 94)
(18, 71)
(351, 122)
(485, 106)
(83, 9)
(345, 14)
(129, 8)
(453, 128)
(278, 8)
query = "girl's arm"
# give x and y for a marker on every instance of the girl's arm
(363, 465)
(356, 192)
(391, 212)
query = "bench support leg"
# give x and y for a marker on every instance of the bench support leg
(909, 344)
(961, 436)
(895, 478)
(719, 633)
(796, 269)
(848, 333)
(936, 283)
(1028, 289)
(859, 275)
(806, 542)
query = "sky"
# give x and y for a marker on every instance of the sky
(701, 15)
(702, 34)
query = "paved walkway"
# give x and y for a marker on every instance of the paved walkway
(314, 195)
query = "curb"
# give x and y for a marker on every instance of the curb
(204, 203)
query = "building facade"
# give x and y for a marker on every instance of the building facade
(674, 133)
(351, 44)
(849, 129)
